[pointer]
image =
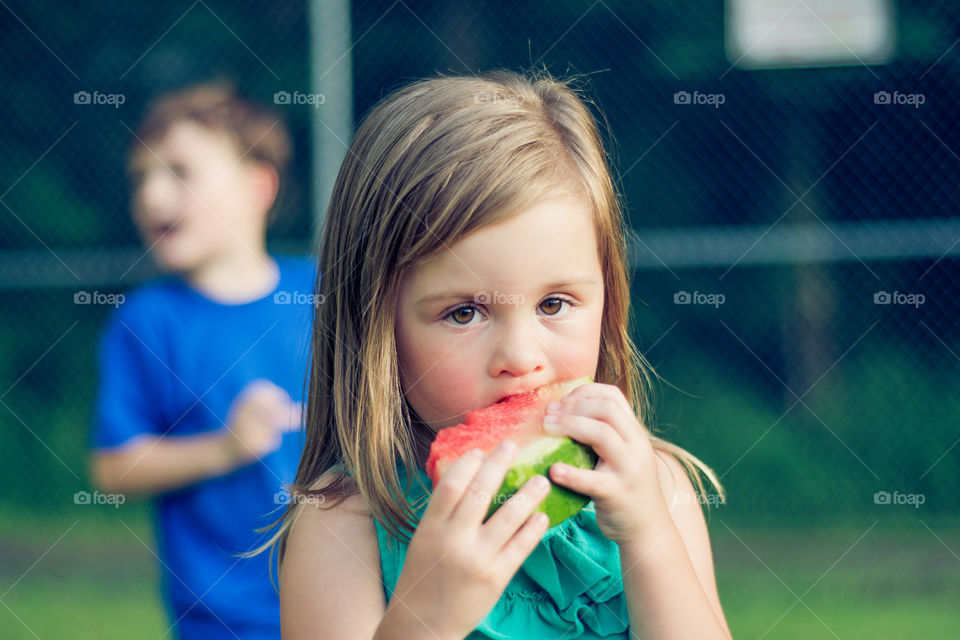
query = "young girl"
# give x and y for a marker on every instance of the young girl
(474, 248)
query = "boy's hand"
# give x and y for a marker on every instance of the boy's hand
(257, 420)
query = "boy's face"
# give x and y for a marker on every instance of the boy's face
(195, 200)
(526, 310)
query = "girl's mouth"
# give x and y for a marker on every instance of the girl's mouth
(510, 395)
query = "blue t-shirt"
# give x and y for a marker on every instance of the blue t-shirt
(171, 363)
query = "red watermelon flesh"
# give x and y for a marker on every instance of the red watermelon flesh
(518, 418)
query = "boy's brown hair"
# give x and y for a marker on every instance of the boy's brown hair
(259, 134)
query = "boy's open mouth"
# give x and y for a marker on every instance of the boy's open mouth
(159, 231)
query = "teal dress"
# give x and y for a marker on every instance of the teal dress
(569, 586)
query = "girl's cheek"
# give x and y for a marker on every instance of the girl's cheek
(454, 376)
(429, 358)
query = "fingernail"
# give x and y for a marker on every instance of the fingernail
(553, 407)
(539, 482)
(507, 445)
(550, 424)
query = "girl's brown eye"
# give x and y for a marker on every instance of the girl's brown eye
(552, 306)
(464, 314)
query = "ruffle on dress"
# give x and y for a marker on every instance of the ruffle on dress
(570, 586)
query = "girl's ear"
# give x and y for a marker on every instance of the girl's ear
(264, 184)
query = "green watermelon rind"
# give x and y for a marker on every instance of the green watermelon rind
(561, 503)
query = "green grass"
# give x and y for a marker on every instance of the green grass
(80, 608)
(86, 573)
(895, 580)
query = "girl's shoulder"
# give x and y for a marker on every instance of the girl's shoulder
(331, 545)
(346, 523)
(350, 510)
(319, 517)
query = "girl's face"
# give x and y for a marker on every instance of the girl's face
(506, 309)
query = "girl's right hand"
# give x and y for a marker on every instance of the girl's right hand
(457, 565)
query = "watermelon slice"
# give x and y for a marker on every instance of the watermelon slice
(518, 418)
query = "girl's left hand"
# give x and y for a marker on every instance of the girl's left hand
(624, 485)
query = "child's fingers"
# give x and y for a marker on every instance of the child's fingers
(605, 403)
(261, 388)
(603, 438)
(503, 524)
(476, 501)
(446, 495)
(519, 547)
(589, 482)
(290, 416)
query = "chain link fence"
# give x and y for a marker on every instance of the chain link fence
(794, 240)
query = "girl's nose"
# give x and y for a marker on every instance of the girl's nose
(517, 351)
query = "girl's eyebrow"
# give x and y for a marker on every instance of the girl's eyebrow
(461, 295)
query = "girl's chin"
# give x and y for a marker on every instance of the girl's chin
(443, 424)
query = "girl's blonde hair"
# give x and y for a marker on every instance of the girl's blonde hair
(432, 162)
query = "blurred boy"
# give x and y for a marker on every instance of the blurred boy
(201, 371)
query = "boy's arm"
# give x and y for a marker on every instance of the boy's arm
(150, 463)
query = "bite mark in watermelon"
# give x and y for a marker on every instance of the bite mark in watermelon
(518, 418)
